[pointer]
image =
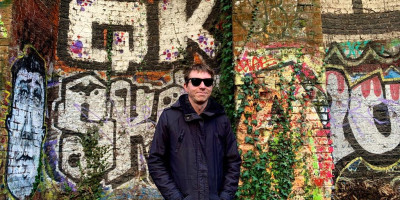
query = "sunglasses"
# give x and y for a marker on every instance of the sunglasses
(197, 81)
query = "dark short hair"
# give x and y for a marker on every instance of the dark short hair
(31, 62)
(197, 67)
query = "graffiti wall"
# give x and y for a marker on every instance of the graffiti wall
(289, 94)
(278, 47)
(362, 61)
(345, 58)
(363, 105)
(74, 65)
(316, 77)
(25, 123)
(363, 102)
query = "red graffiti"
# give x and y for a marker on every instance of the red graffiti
(323, 133)
(307, 72)
(319, 182)
(366, 87)
(340, 80)
(255, 64)
(394, 91)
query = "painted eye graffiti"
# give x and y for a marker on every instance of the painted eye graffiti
(37, 96)
(23, 94)
(23, 90)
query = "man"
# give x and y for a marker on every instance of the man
(25, 123)
(194, 152)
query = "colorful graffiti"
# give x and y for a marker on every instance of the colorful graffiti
(315, 164)
(106, 68)
(25, 123)
(362, 75)
(364, 95)
(254, 63)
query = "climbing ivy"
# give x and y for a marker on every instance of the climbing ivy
(225, 93)
(39, 176)
(89, 186)
(268, 164)
(92, 173)
(268, 167)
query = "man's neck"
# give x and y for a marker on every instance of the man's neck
(199, 108)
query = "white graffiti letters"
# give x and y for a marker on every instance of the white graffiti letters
(176, 28)
(365, 125)
(90, 23)
(369, 113)
(338, 90)
(126, 122)
(131, 15)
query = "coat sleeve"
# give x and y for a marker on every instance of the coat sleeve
(158, 162)
(232, 163)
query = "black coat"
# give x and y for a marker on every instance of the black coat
(194, 157)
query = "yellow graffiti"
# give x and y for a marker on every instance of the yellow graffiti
(368, 53)
(378, 72)
(369, 165)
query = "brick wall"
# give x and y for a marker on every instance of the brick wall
(117, 64)
(270, 40)
(111, 64)
(350, 55)
(361, 79)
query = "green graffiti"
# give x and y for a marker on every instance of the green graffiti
(353, 49)
(395, 42)
(3, 30)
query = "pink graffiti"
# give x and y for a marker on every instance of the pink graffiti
(77, 47)
(307, 72)
(164, 4)
(170, 54)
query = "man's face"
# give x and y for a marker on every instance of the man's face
(26, 132)
(198, 94)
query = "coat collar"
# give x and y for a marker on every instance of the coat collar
(212, 108)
